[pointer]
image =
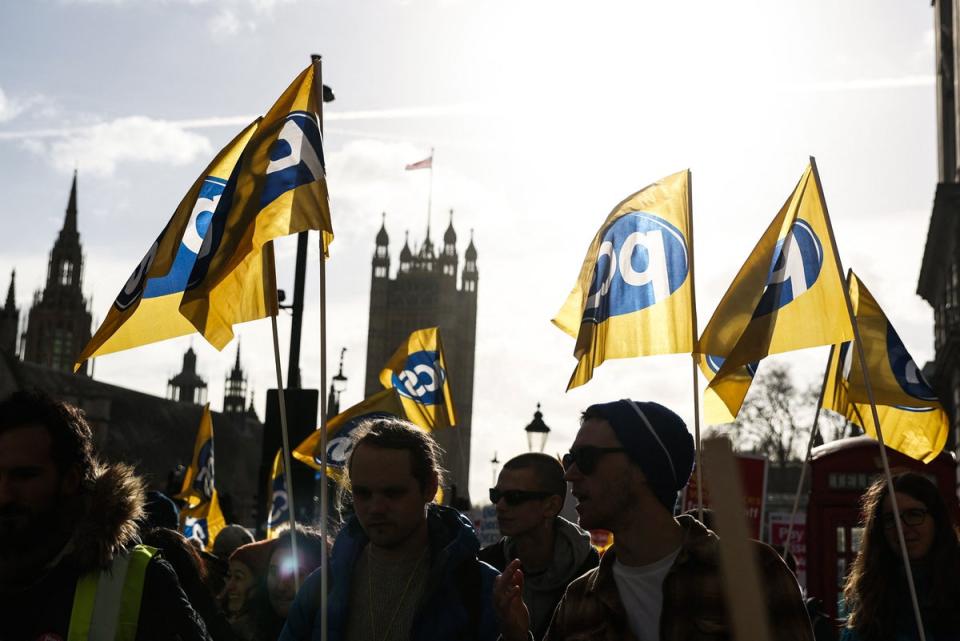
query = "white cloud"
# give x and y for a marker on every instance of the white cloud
(9, 108)
(100, 148)
(224, 24)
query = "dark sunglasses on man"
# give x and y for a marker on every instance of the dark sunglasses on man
(516, 497)
(913, 516)
(587, 457)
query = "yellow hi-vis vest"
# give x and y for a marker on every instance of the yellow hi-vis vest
(106, 603)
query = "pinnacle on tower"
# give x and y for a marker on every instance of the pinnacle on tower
(11, 296)
(450, 236)
(70, 220)
(382, 238)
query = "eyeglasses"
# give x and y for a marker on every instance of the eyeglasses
(913, 516)
(516, 497)
(587, 457)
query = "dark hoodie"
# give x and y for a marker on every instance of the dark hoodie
(37, 584)
(573, 555)
(456, 603)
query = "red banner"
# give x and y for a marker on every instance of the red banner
(753, 481)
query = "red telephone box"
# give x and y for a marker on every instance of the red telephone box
(840, 472)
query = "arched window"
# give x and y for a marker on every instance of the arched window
(66, 272)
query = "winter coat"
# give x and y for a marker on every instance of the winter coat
(38, 604)
(694, 607)
(456, 602)
(573, 555)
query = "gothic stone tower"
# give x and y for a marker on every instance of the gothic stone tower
(9, 319)
(426, 293)
(58, 324)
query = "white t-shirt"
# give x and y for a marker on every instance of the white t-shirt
(641, 592)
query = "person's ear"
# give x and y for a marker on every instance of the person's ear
(430, 491)
(553, 505)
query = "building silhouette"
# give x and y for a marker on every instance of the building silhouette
(10, 319)
(939, 281)
(58, 323)
(427, 291)
(188, 386)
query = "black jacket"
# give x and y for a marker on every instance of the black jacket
(38, 602)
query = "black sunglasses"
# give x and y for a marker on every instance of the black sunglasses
(587, 457)
(913, 516)
(516, 497)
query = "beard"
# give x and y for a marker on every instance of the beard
(30, 540)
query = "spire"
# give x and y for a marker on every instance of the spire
(11, 296)
(405, 253)
(70, 220)
(236, 365)
(471, 253)
(382, 238)
(450, 236)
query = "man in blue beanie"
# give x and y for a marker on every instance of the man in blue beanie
(661, 578)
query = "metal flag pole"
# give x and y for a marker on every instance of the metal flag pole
(430, 194)
(876, 419)
(694, 354)
(806, 458)
(324, 494)
(270, 294)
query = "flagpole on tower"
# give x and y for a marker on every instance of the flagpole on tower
(430, 194)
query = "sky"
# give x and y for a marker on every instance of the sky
(543, 115)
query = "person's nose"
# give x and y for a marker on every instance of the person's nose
(572, 473)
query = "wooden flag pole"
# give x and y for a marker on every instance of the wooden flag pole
(317, 62)
(876, 419)
(270, 293)
(696, 348)
(806, 458)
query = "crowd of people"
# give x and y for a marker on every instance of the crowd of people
(87, 553)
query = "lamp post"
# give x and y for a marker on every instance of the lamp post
(537, 432)
(337, 386)
(495, 464)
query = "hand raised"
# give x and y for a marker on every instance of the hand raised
(512, 613)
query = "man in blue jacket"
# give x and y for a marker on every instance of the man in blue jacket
(402, 567)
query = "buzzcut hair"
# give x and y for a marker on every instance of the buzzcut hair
(71, 439)
(548, 470)
(393, 433)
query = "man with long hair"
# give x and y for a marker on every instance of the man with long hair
(402, 568)
(876, 590)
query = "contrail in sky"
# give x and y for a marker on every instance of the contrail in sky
(465, 109)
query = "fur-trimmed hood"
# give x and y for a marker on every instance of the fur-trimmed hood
(112, 505)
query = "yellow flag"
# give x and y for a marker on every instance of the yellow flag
(278, 508)
(789, 293)
(147, 309)
(340, 429)
(203, 522)
(198, 482)
(278, 188)
(418, 371)
(912, 419)
(634, 293)
(723, 399)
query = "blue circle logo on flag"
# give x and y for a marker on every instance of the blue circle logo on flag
(296, 156)
(194, 232)
(340, 446)
(642, 260)
(716, 362)
(796, 264)
(905, 370)
(203, 483)
(197, 530)
(422, 377)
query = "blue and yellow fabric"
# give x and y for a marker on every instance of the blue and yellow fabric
(634, 294)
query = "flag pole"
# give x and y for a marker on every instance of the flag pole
(806, 458)
(317, 62)
(270, 294)
(430, 195)
(876, 418)
(693, 356)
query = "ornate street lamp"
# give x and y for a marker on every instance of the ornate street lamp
(338, 384)
(537, 432)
